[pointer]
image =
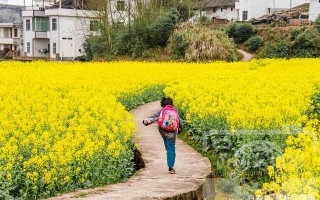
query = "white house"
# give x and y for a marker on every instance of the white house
(10, 36)
(56, 32)
(223, 9)
(244, 10)
(314, 10)
(10, 27)
(249, 9)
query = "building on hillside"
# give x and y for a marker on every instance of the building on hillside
(314, 10)
(249, 9)
(244, 10)
(10, 36)
(10, 27)
(223, 9)
(56, 32)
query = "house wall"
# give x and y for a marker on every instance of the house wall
(259, 8)
(39, 45)
(229, 13)
(69, 36)
(27, 37)
(314, 9)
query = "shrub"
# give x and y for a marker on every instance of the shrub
(317, 24)
(294, 34)
(278, 50)
(211, 45)
(254, 43)
(179, 46)
(240, 32)
(252, 160)
(161, 29)
(307, 44)
(204, 20)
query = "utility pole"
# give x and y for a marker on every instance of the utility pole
(290, 7)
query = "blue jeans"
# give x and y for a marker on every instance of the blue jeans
(171, 152)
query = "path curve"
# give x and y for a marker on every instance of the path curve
(154, 181)
(246, 56)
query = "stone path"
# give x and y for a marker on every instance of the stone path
(246, 56)
(191, 181)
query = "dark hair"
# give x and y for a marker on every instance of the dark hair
(166, 101)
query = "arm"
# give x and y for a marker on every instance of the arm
(153, 118)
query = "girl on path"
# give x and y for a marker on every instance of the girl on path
(169, 124)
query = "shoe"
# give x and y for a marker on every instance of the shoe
(172, 171)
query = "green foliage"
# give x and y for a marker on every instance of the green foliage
(240, 32)
(178, 46)
(199, 43)
(252, 159)
(161, 29)
(96, 46)
(307, 44)
(254, 43)
(275, 50)
(317, 24)
(184, 12)
(134, 40)
(204, 20)
(294, 34)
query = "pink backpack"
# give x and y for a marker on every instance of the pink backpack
(169, 119)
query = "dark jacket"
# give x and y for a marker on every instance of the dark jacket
(165, 134)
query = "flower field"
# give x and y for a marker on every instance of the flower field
(65, 126)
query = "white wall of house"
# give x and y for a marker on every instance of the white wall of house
(229, 13)
(28, 36)
(69, 36)
(314, 11)
(9, 36)
(65, 36)
(259, 8)
(38, 46)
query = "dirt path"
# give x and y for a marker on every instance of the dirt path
(154, 181)
(246, 56)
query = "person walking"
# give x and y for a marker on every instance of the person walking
(169, 125)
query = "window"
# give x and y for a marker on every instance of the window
(231, 8)
(244, 15)
(15, 32)
(28, 47)
(120, 5)
(54, 24)
(214, 10)
(28, 25)
(221, 9)
(54, 47)
(94, 25)
(41, 24)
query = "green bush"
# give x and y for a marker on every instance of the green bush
(204, 20)
(278, 50)
(254, 43)
(294, 34)
(252, 159)
(178, 46)
(317, 24)
(240, 32)
(161, 29)
(307, 44)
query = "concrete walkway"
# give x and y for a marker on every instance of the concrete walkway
(191, 181)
